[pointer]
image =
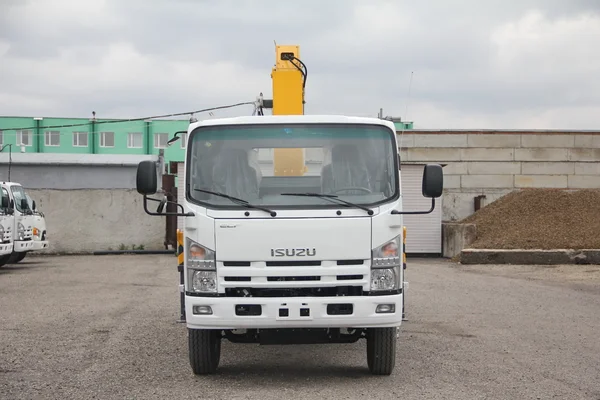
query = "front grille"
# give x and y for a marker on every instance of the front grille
(293, 263)
(292, 278)
(295, 292)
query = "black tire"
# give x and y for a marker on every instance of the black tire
(16, 257)
(381, 350)
(204, 350)
(4, 260)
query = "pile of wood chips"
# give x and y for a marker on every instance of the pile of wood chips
(540, 219)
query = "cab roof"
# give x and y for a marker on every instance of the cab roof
(279, 119)
(5, 183)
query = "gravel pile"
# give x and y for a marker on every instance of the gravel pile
(540, 219)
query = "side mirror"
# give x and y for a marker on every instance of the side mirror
(146, 180)
(33, 205)
(433, 181)
(5, 202)
(24, 204)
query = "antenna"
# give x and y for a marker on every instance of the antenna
(406, 109)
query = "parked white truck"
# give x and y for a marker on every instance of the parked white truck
(25, 223)
(6, 225)
(277, 255)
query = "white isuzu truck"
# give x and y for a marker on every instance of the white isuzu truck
(26, 225)
(7, 221)
(280, 254)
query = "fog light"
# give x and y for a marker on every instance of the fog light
(202, 310)
(385, 308)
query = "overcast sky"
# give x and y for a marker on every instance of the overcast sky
(476, 64)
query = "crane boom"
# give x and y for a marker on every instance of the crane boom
(288, 78)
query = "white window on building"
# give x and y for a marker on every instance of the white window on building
(80, 139)
(107, 139)
(160, 140)
(52, 138)
(134, 140)
(24, 138)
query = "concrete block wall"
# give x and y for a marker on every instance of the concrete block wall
(494, 163)
(88, 220)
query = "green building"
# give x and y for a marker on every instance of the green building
(99, 136)
(88, 136)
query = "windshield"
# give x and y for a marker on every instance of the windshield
(263, 164)
(18, 194)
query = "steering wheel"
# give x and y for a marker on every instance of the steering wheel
(362, 189)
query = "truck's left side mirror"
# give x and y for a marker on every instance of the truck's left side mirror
(5, 203)
(146, 181)
(433, 181)
(33, 205)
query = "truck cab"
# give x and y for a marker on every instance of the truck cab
(40, 235)
(292, 233)
(21, 224)
(7, 219)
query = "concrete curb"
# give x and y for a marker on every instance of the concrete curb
(530, 257)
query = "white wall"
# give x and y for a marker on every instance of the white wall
(87, 220)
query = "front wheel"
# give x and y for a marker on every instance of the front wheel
(381, 350)
(16, 257)
(4, 260)
(205, 350)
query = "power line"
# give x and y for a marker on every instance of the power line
(132, 119)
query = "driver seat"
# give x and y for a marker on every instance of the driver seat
(347, 169)
(233, 175)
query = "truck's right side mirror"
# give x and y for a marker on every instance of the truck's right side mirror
(433, 181)
(146, 180)
(5, 203)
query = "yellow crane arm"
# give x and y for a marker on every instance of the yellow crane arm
(288, 76)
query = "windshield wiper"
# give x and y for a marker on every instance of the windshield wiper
(238, 201)
(330, 197)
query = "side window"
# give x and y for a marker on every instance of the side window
(5, 196)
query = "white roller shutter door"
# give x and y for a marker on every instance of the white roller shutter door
(180, 191)
(424, 232)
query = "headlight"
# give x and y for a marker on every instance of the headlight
(204, 281)
(21, 231)
(199, 256)
(1, 233)
(385, 267)
(201, 268)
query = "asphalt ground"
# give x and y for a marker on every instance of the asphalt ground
(106, 327)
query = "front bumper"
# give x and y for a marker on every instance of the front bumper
(21, 246)
(40, 244)
(224, 312)
(6, 248)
